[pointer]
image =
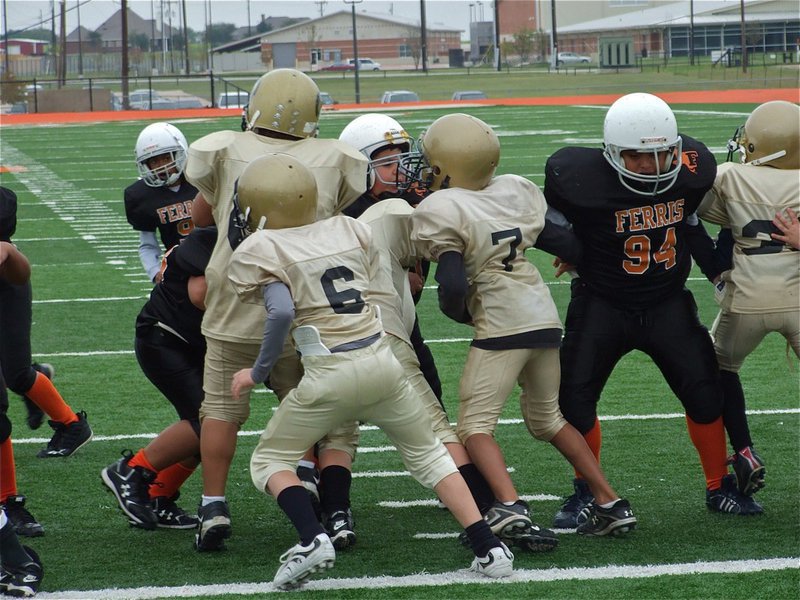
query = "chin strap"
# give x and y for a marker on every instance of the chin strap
(767, 158)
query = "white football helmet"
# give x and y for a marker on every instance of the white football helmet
(155, 140)
(373, 132)
(643, 123)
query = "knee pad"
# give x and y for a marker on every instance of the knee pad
(5, 427)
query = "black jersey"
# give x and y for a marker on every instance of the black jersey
(8, 214)
(635, 250)
(169, 301)
(150, 209)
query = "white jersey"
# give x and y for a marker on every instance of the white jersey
(766, 273)
(215, 163)
(492, 228)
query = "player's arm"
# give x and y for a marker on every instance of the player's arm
(702, 249)
(561, 242)
(451, 276)
(150, 254)
(14, 266)
(280, 315)
(202, 214)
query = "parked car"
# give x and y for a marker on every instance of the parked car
(326, 99)
(469, 95)
(237, 99)
(365, 64)
(338, 67)
(571, 58)
(399, 96)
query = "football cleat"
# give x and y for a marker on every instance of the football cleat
(172, 516)
(498, 563)
(508, 521)
(67, 439)
(299, 562)
(21, 519)
(35, 414)
(130, 487)
(341, 528)
(22, 581)
(569, 515)
(749, 470)
(728, 499)
(616, 520)
(214, 527)
(534, 539)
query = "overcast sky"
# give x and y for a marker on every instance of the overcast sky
(30, 13)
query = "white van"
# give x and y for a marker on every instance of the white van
(233, 99)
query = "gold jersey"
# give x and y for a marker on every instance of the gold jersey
(492, 228)
(766, 273)
(215, 163)
(328, 267)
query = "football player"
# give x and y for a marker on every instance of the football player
(322, 293)
(632, 206)
(282, 115)
(760, 294)
(391, 151)
(161, 199)
(171, 351)
(477, 227)
(71, 429)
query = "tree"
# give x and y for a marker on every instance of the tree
(414, 42)
(139, 41)
(523, 44)
(221, 33)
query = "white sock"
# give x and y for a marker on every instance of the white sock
(209, 499)
(306, 463)
(608, 504)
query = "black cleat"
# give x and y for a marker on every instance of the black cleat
(130, 486)
(214, 527)
(22, 581)
(728, 499)
(615, 520)
(172, 516)
(341, 528)
(21, 519)
(749, 470)
(569, 515)
(67, 439)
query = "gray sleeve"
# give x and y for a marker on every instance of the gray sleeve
(280, 314)
(150, 253)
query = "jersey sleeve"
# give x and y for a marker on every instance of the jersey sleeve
(435, 227)
(712, 208)
(250, 268)
(193, 253)
(203, 161)
(135, 210)
(8, 214)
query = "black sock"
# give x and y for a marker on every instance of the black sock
(334, 481)
(733, 411)
(11, 550)
(477, 484)
(481, 538)
(294, 501)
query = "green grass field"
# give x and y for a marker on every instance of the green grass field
(89, 286)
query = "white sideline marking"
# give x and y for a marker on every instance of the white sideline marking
(434, 502)
(368, 449)
(459, 577)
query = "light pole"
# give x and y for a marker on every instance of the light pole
(352, 4)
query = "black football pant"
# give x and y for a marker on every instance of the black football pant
(597, 335)
(15, 336)
(175, 368)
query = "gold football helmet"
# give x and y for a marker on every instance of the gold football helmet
(284, 102)
(771, 135)
(460, 151)
(276, 191)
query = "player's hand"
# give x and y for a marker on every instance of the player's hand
(242, 382)
(562, 267)
(416, 282)
(789, 227)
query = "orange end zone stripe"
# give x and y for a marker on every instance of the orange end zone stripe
(754, 96)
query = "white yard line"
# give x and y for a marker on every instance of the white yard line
(460, 577)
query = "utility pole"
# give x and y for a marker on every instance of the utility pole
(691, 32)
(62, 59)
(124, 74)
(423, 36)
(80, 39)
(744, 39)
(497, 35)
(554, 39)
(357, 66)
(5, 37)
(186, 37)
